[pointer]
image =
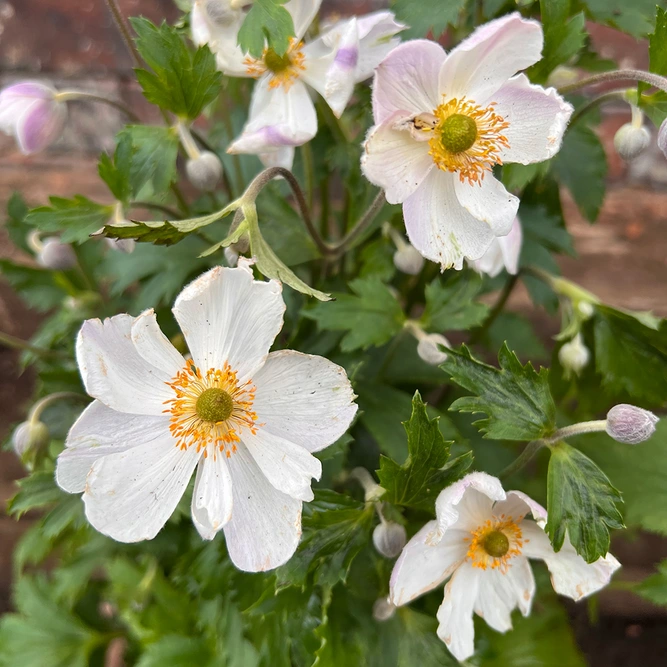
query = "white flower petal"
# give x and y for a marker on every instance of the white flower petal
(518, 505)
(98, 432)
(456, 626)
(375, 42)
(303, 13)
(130, 495)
(115, 373)
(288, 467)
(265, 527)
(423, 563)
(305, 399)
(537, 120)
(483, 62)
(488, 201)
(154, 346)
(394, 161)
(439, 227)
(520, 577)
(227, 316)
(280, 157)
(571, 575)
(495, 600)
(212, 496)
(407, 80)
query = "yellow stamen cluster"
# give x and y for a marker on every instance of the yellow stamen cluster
(495, 543)
(285, 69)
(467, 139)
(199, 398)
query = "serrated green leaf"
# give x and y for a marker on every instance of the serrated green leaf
(15, 223)
(36, 286)
(581, 502)
(450, 306)
(74, 219)
(182, 81)
(335, 530)
(36, 491)
(657, 45)
(635, 18)
(517, 176)
(370, 316)
(631, 356)
(516, 398)
(654, 588)
(423, 18)
(177, 651)
(417, 482)
(267, 24)
(115, 172)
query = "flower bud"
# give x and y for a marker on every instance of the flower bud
(428, 350)
(122, 245)
(574, 356)
(231, 256)
(585, 310)
(662, 137)
(408, 260)
(630, 424)
(389, 538)
(631, 141)
(383, 610)
(56, 255)
(29, 437)
(204, 171)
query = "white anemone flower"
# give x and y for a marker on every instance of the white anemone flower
(246, 419)
(282, 114)
(503, 253)
(443, 121)
(481, 540)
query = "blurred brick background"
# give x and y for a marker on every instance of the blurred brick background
(622, 258)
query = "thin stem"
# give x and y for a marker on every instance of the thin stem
(526, 455)
(68, 95)
(19, 344)
(39, 407)
(124, 30)
(617, 75)
(309, 169)
(361, 226)
(171, 212)
(595, 426)
(496, 310)
(596, 102)
(209, 147)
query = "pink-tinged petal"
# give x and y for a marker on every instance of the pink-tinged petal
(265, 527)
(130, 495)
(394, 160)
(153, 346)
(305, 399)
(228, 317)
(571, 575)
(467, 504)
(303, 13)
(518, 505)
(40, 125)
(439, 227)
(115, 373)
(212, 497)
(488, 201)
(537, 120)
(496, 51)
(424, 564)
(280, 157)
(456, 627)
(662, 137)
(407, 80)
(277, 118)
(376, 31)
(98, 432)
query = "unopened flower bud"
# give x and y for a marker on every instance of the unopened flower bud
(204, 171)
(574, 356)
(428, 350)
(389, 538)
(222, 12)
(231, 256)
(408, 260)
(29, 437)
(123, 245)
(383, 610)
(630, 424)
(56, 255)
(585, 310)
(662, 137)
(631, 141)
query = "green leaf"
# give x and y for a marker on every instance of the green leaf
(370, 316)
(580, 502)
(427, 470)
(423, 18)
(177, 651)
(74, 219)
(631, 356)
(451, 306)
(516, 398)
(635, 18)
(116, 172)
(37, 287)
(15, 223)
(657, 44)
(517, 176)
(581, 165)
(267, 23)
(519, 334)
(36, 491)
(335, 529)
(183, 82)
(654, 588)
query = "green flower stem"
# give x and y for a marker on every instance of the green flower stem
(19, 344)
(39, 407)
(372, 490)
(596, 102)
(360, 227)
(124, 30)
(309, 170)
(617, 75)
(526, 455)
(67, 95)
(563, 286)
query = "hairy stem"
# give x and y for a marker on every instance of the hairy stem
(577, 429)
(617, 75)
(596, 102)
(19, 344)
(67, 95)
(39, 407)
(124, 30)
(360, 227)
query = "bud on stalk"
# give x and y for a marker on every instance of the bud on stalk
(630, 424)
(389, 538)
(632, 139)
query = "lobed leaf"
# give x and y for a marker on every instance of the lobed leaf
(267, 24)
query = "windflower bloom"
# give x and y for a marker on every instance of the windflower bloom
(443, 121)
(481, 541)
(503, 253)
(282, 114)
(31, 112)
(246, 419)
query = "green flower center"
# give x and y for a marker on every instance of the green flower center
(276, 63)
(496, 544)
(458, 133)
(214, 405)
